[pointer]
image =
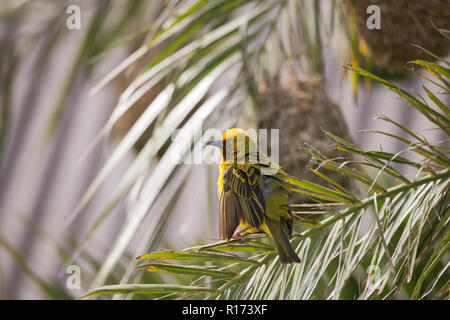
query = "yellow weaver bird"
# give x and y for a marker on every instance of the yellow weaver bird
(253, 193)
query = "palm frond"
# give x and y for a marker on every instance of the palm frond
(394, 240)
(203, 41)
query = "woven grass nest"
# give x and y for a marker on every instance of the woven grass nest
(129, 118)
(403, 23)
(301, 110)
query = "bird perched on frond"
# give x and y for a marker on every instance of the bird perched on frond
(253, 193)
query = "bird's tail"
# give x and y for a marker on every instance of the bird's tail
(280, 235)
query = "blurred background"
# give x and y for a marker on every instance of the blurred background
(88, 116)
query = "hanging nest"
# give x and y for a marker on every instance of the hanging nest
(404, 23)
(129, 118)
(301, 110)
(124, 79)
(124, 124)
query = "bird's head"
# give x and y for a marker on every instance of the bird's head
(234, 144)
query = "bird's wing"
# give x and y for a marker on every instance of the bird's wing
(229, 212)
(240, 199)
(276, 194)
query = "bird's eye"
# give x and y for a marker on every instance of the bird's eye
(230, 141)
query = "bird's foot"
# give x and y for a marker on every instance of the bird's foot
(238, 235)
(241, 238)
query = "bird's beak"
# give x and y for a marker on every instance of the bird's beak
(215, 143)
